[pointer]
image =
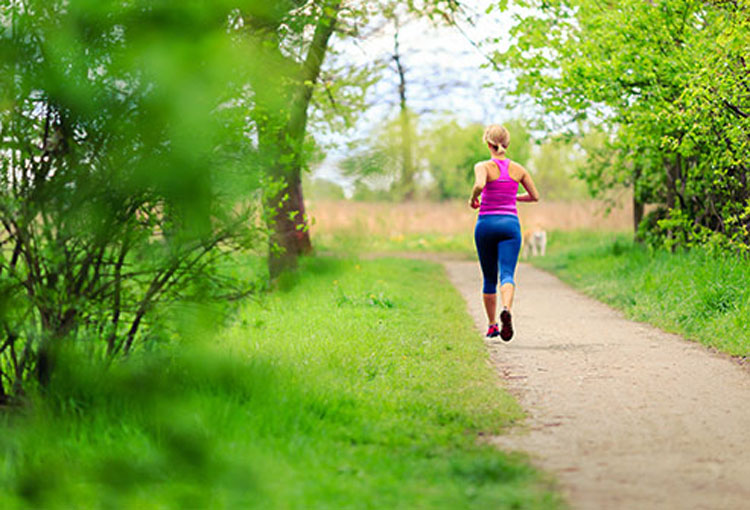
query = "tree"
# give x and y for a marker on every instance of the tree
(407, 152)
(376, 163)
(668, 81)
(281, 113)
(554, 165)
(121, 144)
(389, 150)
(299, 35)
(451, 151)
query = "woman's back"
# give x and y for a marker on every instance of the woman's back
(499, 195)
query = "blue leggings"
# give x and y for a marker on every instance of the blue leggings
(498, 240)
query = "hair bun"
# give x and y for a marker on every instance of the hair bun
(497, 136)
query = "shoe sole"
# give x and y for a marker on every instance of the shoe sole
(506, 333)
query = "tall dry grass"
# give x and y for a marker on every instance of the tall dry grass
(451, 218)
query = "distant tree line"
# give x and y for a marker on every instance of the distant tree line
(445, 152)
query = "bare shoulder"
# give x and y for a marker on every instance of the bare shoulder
(516, 171)
(482, 169)
(482, 165)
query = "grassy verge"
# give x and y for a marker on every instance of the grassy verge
(335, 391)
(703, 296)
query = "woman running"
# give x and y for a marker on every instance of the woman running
(498, 231)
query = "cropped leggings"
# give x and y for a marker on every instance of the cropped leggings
(498, 240)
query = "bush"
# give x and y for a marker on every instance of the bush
(121, 159)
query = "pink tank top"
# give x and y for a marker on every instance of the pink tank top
(499, 196)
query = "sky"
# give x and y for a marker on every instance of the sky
(444, 74)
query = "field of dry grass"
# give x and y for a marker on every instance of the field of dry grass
(455, 218)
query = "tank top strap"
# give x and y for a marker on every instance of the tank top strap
(503, 165)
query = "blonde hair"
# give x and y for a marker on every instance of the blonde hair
(497, 137)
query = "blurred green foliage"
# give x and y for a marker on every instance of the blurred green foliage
(450, 151)
(554, 165)
(376, 161)
(667, 83)
(138, 141)
(127, 175)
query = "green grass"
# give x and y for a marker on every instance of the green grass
(356, 384)
(702, 295)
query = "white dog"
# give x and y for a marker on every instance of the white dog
(534, 242)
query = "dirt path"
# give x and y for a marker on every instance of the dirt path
(626, 416)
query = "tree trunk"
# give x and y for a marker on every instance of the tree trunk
(291, 237)
(55, 328)
(638, 211)
(407, 162)
(672, 177)
(638, 206)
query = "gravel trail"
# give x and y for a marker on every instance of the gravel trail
(625, 415)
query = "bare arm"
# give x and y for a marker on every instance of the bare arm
(480, 180)
(531, 195)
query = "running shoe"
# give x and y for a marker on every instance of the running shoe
(506, 333)
(493, 331)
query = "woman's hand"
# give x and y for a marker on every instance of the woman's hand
(474, 203)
